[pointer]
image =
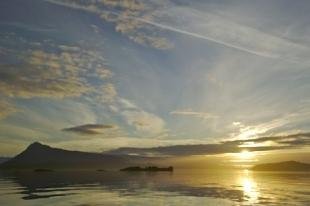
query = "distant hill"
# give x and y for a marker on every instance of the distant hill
(282, 166)
(4, 159)
(39, 156)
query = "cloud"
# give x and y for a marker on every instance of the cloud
(142, 121)
(28, 27)
(298, 139)
(104, 73)
(252, 131)
(46, 69)
(6, 109)
(41, 73)
(191, 113)
(49, 70)
(226, 32)
(89, 129)
(107, 93)
(123, 13)
(284, 142)
(144, 23)
(64, 74)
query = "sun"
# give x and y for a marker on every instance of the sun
(245, 155)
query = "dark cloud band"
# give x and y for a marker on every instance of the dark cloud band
(89, 129)
(280, 142)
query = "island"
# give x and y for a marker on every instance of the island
(282, 166)
(148, 169)
(42, 170)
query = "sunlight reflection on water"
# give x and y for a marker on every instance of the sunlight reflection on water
(249, 186)
(182, 187)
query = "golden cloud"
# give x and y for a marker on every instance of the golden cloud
(43, 74)
(54, 73)
(48, 70)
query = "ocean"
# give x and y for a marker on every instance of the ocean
(180, 187)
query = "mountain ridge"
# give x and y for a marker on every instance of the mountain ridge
(38, 155)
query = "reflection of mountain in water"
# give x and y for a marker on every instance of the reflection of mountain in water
(40, 185)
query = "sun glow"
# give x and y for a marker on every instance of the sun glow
(245, 155)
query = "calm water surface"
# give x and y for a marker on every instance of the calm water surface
(182, 187)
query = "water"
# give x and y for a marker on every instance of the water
(182, 187)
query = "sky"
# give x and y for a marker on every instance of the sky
(156, 77)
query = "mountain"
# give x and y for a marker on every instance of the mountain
(283, 166)
(39, 156)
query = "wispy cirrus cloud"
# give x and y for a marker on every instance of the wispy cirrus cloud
(140, 121)
(90, 129)
(191, 113)
(226, 32)
(252, 131)
(143, 122)
(124, 15)
(133, 18)
(6, 109)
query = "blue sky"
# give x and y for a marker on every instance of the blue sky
(103, 74)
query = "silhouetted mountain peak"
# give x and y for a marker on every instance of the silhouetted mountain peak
(38, 155)
(36, 146)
